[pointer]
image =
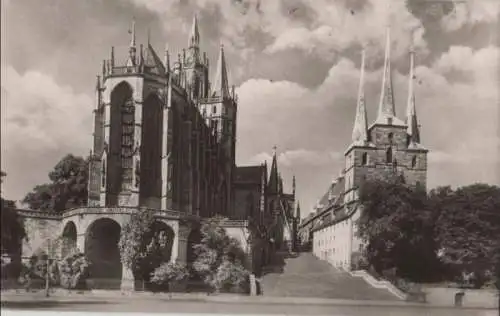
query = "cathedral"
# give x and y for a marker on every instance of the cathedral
(164, 140)
(388, 146)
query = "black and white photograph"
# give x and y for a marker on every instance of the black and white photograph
(250, 157)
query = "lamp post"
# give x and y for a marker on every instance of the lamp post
(47, 274)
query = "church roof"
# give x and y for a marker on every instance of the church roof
(249, 174)
(332, 195)
(152, 61)
(416, 146)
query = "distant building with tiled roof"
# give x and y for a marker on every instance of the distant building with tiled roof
(387, 146)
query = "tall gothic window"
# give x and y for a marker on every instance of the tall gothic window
(364, 159)
(388, 155)
(128, 120)
(103, 176)
(414, 161)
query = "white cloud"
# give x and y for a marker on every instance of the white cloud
(337, 27)
(471, 12)
(321, 27)
(41, 121)
(297, 158)
(458, 117)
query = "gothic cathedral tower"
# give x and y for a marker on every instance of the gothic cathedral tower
(126, 166)
(164, 138)
(389, 145)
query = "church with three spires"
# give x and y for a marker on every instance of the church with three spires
(386, 147)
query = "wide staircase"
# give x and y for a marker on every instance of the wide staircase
(303, 275)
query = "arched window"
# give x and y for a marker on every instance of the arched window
(103, 178)
(364, 159)
(390, 137)
(414, 161)
(388, 155)
(214, 109)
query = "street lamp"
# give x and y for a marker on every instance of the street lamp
(47, 274)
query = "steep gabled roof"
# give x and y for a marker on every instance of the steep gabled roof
(152, 61)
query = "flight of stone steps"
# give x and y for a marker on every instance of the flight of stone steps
(303, 275)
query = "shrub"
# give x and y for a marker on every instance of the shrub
(74, 271)
(168, 273)
(230, 277)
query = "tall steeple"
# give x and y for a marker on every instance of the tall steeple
(132, 50)
(297, 211)
(273, 184)
(386, 107)
(194, 36)
(360, 130)
(411, 112)
(221, 85)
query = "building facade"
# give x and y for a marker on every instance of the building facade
(389, 146)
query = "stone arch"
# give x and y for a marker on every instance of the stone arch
(101, 249)
(121, 140)
(151, 146)
(68, 238)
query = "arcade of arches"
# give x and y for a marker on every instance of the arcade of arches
(100, 244)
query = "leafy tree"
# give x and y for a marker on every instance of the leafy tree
(396, 225)
(67, 187)
(12, 226)
(467, 228)
(144, 245)
(220, 260)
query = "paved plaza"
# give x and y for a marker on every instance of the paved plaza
(206, 306)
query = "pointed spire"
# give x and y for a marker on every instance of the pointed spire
(103, 68)
(149, 36)
(132, 34)
(169, 92)
(98, 84)
(297, 211)
(141, 55)
(386, 107)
(194, 37)
(112, 56)
(293, 185)
(273, 184)
(167, 59)
(132, 50)
(411, 112)
(221, 86)
(360, 130)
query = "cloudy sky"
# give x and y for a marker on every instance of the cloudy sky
(295, 65)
